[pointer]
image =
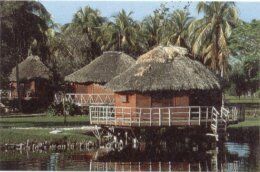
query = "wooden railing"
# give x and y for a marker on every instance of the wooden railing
(156, 116)
(85, 99)
(214, 122)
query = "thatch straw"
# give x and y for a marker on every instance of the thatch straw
(31, 68)
(165, 69)
(102, 69)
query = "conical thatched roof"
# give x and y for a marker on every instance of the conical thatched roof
(31, 68)
(165, 69)
(103, 68)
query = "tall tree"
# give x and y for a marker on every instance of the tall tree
(90, 22)
(122, 32)
(154, 26)
(177, 28)
(211, 33)
(23, 26)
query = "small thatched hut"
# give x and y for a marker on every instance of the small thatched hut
(91, 78)
(33, 77)
(166, 77)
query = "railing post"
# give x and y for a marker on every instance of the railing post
(123, 114)
(81, 99)
(106, 114)
(130, 116)
(115, 115)
(169, 110)
(207, 116)
(150, 117)
(189, 115)
(140, 113)
(199, 114)
(98, 115)
(160, 115)
(90, 114)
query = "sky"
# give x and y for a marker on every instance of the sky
(62, 11)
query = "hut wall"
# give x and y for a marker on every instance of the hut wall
(25, 87)
(82, 88)
(125, 100)
(143, 100)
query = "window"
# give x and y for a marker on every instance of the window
(124, 98)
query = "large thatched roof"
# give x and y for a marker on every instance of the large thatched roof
(31, 68)
(165, 69)
(102, 69)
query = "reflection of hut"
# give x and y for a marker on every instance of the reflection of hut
(164, 88)
(90, 79)
(33, 78)
(166, 77)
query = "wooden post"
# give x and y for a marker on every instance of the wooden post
(169, 110)
(130, 116)
(140, 113)
(207, 116)
(123, 114)
(150, 117)
(90, 114)
(199, 114)
(189, 114)
(160, 115)
(106, 114)
(64, 110)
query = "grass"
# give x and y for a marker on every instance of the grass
(44, 121)
(235, 99)
(250, 121)
(40, 135)
(8, 135)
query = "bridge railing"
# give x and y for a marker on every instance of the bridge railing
(85, 99)
(155, 116)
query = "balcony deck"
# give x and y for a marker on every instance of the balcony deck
(152, 117)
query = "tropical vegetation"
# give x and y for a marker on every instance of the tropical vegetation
(219, 39)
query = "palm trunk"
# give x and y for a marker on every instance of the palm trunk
(222, 76)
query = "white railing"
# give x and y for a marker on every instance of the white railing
(224, 113)
(229, 115)
(156, 116)
(214, 122)
(85, 99)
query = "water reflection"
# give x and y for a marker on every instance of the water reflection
(233, 156)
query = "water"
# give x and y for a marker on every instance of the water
(239, 153)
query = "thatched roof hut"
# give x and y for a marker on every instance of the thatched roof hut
(102, 69)
(31, 68)
(165, 69)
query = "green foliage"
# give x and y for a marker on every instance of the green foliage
(238, 80)
(209, 35)
(65, 49)
(245, 39)
(71, 108)
(23, 27)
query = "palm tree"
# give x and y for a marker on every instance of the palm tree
(121, 33)
(177, 28)
(89, 22)
(209, 35)
(155, 26)
(152, 29)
